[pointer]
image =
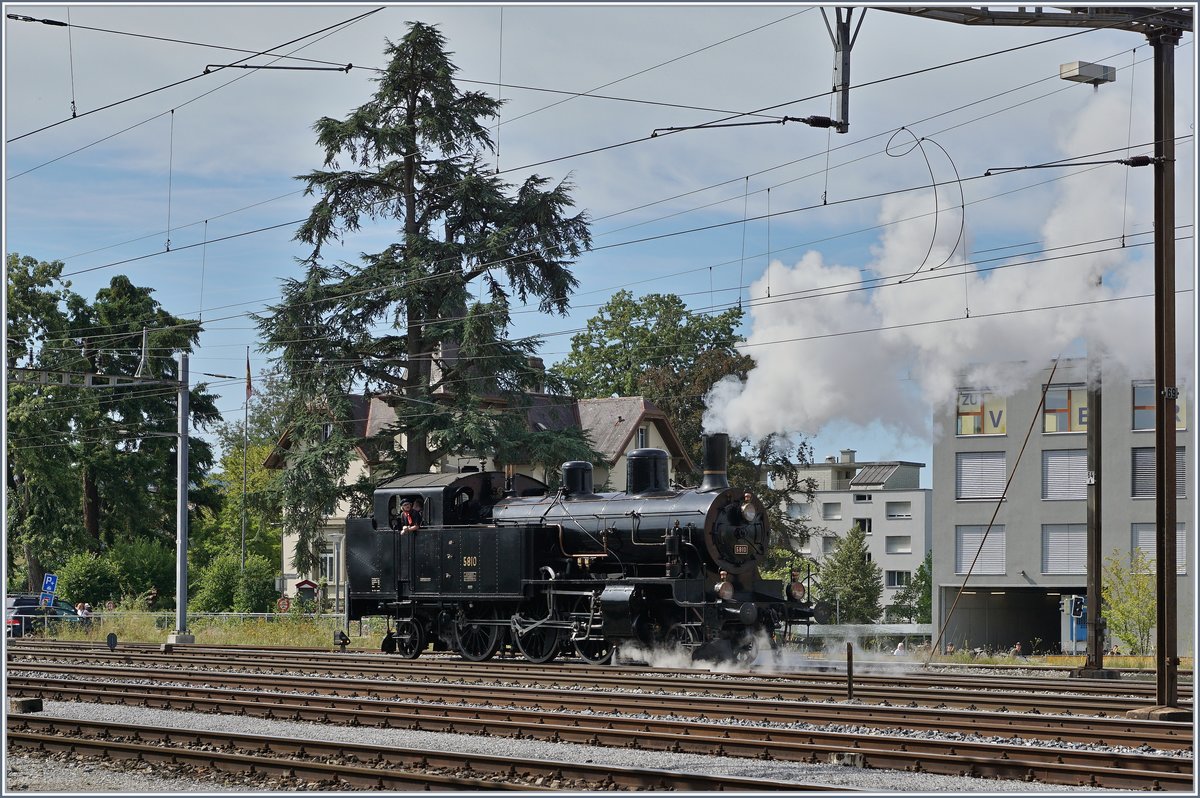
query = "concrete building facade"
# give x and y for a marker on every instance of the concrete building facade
(1005, 568)
(884, 498)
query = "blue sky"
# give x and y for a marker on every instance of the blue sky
(214, 158)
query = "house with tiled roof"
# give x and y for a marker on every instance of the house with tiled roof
(614, 426)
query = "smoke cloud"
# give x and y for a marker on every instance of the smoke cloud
(888, 343)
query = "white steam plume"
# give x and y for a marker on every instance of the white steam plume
(812, 368)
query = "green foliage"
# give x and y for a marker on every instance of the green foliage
(1130, 600)
(90, 467)
(421, 324)
(218, 582)
(220, 532)
(853, 581)
(914, 603)
(89, 578)
(628, 338)
(144, 565)
(255, 590)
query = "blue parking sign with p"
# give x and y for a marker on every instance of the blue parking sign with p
(50, 583)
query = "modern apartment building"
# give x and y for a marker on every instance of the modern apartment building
(1025, 548)
(884, 498)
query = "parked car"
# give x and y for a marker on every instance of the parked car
(23, 614)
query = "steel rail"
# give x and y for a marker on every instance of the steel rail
(1060, 728)
(517, 773)
(938, 695)
(368, 664)
(1108, 769)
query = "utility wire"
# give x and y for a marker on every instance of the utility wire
(350, 21)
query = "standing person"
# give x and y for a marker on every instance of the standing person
(418, 512)
(899, 652)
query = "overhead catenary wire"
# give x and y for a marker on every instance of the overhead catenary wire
(860, 331)
(193, 77)
(261, 229)
(830, 290)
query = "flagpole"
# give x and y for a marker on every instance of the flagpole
(245, 447)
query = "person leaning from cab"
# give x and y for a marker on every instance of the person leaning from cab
(409, 519)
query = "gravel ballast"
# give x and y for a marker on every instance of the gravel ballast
(25, 773)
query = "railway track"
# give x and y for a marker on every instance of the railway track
(419, 695)
(996, 693)
(1011, 759)
(351, 764)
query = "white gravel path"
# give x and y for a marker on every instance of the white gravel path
(26, 773)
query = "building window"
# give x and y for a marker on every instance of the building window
(831, 511)
(1144, 408)
(1064, 548)
(1065, 410)
(643, 438)
(980, 413)
(969, 541)
(326, 566)
(862, 498)
(799, 511)
(979, 475)
(897, 579)
(898, 544)
(1064, 474)
(1144, 470)
(827, 544)
(326, 431)
(864, 524)
(1143, 538)
(899, 510)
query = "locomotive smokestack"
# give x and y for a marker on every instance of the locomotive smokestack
(716, 461)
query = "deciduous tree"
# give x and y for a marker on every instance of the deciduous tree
(914, 602)
(1130, 599)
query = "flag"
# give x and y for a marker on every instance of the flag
(249, 384)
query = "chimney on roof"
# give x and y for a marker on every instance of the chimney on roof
(847, 455)
(538, 365)
(830, 459)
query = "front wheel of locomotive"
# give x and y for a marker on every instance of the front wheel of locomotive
(745, 650)
(476, 635)
(597, 651)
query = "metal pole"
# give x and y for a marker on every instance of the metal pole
(1095, 634)
(181, 510)
(1167, 665)
(245, 447)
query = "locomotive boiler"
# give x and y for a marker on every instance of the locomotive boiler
(571, 570)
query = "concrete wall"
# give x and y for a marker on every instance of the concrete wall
(1001, 608)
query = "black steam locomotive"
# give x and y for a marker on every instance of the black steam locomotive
(505, 561)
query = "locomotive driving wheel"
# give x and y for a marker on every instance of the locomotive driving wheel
(597, 651)
(410, 639)
(476, 636)
(539, 643)
(681, 636)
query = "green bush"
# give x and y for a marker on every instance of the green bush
(145, 564)
(87, 577)
(255, 590)
(218, 583)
